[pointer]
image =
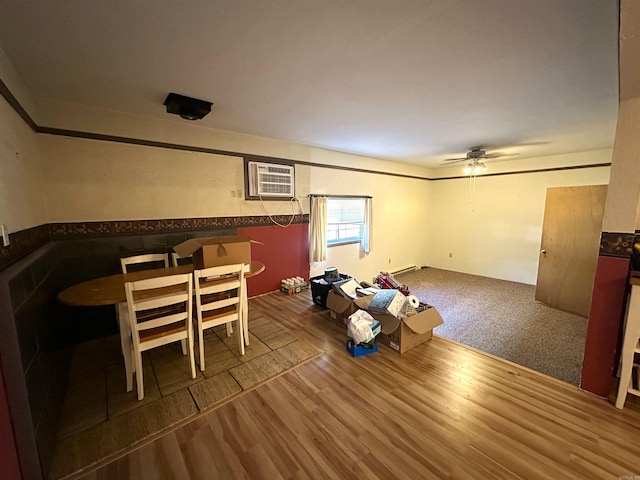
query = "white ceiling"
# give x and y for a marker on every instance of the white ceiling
(412, 81)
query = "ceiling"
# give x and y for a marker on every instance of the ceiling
(412, 81)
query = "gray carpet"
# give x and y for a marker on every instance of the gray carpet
(502, 318)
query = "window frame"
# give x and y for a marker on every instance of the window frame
(350, 240)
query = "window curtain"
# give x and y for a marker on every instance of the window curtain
(366, 226)
(318, 230)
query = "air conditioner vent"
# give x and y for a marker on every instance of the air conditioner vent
(271, 180)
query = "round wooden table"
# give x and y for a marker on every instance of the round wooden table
(110, 290)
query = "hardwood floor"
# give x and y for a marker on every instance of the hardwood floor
(438, 411)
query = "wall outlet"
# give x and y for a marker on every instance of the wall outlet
(233, 193)
(389, 261)
(450, 255)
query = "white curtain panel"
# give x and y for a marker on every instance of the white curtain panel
(318, 230)
(366, 226)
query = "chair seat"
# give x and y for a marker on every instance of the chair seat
(223, 315)
(160, 332)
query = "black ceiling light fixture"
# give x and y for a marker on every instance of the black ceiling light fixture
(187, 107)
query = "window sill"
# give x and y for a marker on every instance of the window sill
(337, 244)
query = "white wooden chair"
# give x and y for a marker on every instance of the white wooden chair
(146, 258)
(123, 322)
(160, 312)
(175, 259)
(219, 294)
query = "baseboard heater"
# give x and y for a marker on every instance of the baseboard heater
(407, 269)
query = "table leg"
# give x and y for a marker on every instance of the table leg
(126, 343)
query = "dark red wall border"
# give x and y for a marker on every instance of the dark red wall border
(606, 316)
(602, 343)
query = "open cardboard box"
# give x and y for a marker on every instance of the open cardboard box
(400, 335)
(403, 335)
(215, 251)
(340, 307)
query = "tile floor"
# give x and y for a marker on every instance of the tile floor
(101, 419)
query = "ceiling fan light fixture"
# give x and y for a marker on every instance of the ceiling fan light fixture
(474, 167)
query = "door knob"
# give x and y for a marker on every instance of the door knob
(543, 252)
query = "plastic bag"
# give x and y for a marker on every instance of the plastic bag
(361, 327)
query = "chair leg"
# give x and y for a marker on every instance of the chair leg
(241, 339)
(201, 346)
(192, 360)
(229, 329)
(183, 343)
(126, 343)
(139, 376)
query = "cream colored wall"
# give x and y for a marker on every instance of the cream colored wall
(622, 212)
(414, 221)
(22, 201)
(89, 181)
(499, 236)
(400, 213)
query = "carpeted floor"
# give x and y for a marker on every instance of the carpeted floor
(502, 318)
(101, 420)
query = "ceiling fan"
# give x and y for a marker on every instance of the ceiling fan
(477, 155)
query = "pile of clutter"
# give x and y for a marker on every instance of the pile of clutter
(363, 328)
(374, 314)
(388, 281)
(293, 285)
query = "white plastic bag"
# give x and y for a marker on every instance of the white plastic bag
(359, 327)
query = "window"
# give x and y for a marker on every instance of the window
(345, 218)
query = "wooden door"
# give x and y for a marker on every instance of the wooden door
(569, 247)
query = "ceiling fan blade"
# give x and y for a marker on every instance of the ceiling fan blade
(454, 160)
(500, 155)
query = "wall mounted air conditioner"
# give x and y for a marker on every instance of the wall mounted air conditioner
(271, 180)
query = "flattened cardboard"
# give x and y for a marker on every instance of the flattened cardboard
(214, 251)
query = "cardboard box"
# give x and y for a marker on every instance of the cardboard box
(387, 301)
(340, 307)
(403, 335)
(294, 290)
(215, 251)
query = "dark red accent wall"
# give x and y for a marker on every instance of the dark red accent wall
(608, 306)
(9, 463)
(284, 251)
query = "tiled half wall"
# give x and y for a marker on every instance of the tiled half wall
(35, 331)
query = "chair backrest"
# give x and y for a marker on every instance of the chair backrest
(147, 258)
(160, 309)
(218, 291)
(175, 259)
